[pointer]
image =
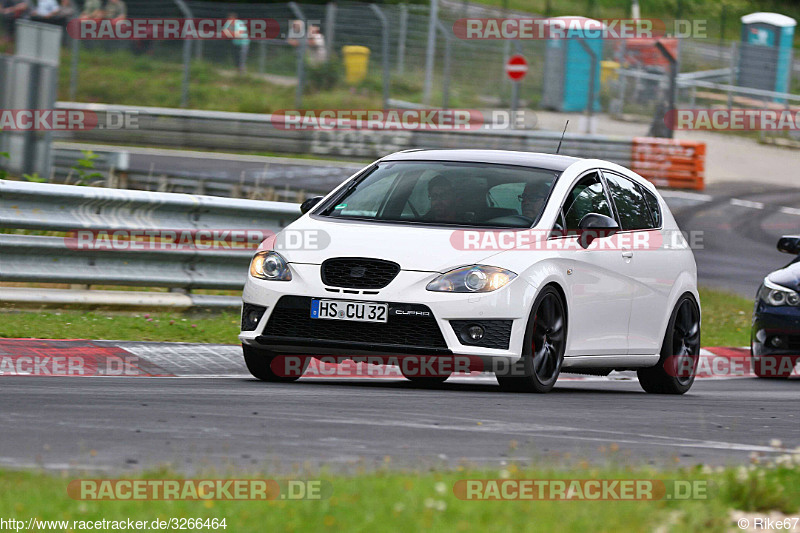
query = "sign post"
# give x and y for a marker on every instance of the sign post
(516, 69)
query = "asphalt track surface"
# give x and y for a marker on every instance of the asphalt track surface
(119, 424)
(738, 225)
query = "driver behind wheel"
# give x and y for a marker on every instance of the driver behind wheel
(533, 199)
(441, 193)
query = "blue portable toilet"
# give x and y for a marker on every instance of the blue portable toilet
(765, 58)
(568, 66)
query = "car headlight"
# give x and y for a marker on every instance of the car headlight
(271, 266)
(778, 295)
(475, 278)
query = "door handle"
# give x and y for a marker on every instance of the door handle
(627, 254)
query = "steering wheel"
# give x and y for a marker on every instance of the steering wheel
(511, 220)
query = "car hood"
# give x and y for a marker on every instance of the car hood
(423, 248)
(788, 276)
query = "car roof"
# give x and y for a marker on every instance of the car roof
(507, 157)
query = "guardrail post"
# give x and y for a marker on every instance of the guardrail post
(187, 55)
(384, 52)
(301, 55)
(401, 39)
(430, 51)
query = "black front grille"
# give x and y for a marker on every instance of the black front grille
(291, 319)
(497, 333)
(358, 272)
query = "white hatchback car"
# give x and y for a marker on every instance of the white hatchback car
(531, 264)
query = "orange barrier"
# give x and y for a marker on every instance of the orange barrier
(669, 162)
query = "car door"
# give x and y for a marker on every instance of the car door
(599, 294)
(646, 262)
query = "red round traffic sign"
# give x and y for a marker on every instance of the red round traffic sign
(516, 67)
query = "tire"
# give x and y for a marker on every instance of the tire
(427, 381)
(680, 352)
(542, 348)
(259, 363)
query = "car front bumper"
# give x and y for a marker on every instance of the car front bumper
(770, 322)
(286, 327)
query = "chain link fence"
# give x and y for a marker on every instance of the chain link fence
(465, 73)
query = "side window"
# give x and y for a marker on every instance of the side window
(506, 196)
(369, 201)
(655, 209)
(632, 208)
(586, 197)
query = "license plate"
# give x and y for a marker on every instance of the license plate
(345, 310)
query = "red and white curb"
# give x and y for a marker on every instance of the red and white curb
(93, 358)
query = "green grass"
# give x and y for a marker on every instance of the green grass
(390, 500)
(726, 322)
(176, 327)
(122, 78)
(725, 318)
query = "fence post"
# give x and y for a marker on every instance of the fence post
(384, 52)
(187, 55)
(592, 83)
(446, 69)
(401, 39)
(433, 17)
(301, 56)
(330, 27)
(262, 56)
(73, 75)
(732, 77)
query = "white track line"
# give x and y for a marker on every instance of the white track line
(747, 203)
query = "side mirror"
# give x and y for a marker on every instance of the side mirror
(595, 226)
(309, 204)
(789, 244)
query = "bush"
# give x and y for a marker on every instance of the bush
(324, 76)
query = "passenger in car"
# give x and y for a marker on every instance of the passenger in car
(533, 198)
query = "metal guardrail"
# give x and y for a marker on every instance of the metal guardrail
(265, 178)
(57, 259)
(253, 132)
(52, 207)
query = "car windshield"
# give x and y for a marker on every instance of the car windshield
(445, 193)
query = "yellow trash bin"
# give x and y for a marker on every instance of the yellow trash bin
(609, 70)
(356, 59)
